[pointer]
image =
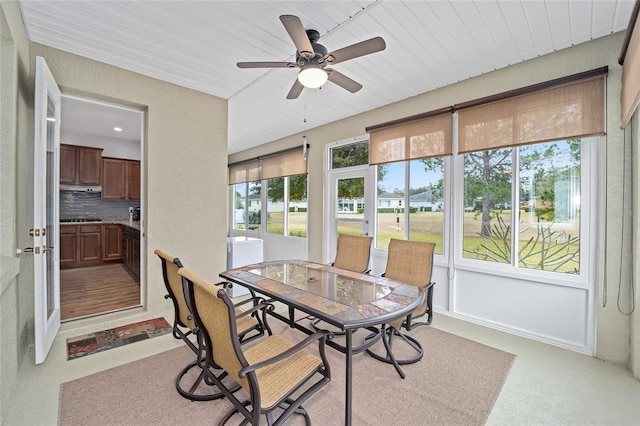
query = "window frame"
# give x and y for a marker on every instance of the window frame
(264, 200)
(588, 224)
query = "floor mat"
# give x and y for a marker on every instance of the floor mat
(100, 341)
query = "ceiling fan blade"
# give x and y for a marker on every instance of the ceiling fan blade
(366, 47)
(343, 81)
(295, 91)
(298, 34)
(266, 64)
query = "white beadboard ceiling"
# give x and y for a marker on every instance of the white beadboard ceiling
(430, 44)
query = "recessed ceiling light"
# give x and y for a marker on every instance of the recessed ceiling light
(117, 129)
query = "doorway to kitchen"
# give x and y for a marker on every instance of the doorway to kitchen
(101, 217)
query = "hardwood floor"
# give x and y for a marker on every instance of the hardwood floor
(95, 290)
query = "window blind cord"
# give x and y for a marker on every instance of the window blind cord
(606, 223)
(606, 202)
(624, 214)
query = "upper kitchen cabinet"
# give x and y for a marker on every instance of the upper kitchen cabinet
(80, 165)
(120, 179)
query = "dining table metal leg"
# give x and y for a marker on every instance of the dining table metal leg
(347, 399)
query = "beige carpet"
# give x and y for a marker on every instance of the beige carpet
(456, 383)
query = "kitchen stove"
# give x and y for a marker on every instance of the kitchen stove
(90, 219)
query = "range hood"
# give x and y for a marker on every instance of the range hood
(81, 188)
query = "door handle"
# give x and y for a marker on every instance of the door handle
(35, 250)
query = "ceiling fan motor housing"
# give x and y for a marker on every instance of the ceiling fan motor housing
(319, 51)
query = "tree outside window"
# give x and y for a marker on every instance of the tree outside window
(545, 217)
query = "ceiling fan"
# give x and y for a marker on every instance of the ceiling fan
(312, 58)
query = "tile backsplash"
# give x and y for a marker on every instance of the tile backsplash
(79, 205)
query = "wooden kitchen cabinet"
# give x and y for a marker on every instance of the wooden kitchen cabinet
(120, 179)
(68, 245)
(133, 181)
(80, 165)
(89, 243)
(111, 242)
(131, 249)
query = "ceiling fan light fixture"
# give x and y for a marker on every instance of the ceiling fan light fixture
(312, 77)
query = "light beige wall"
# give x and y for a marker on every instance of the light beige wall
(15, 131)
(613, 327)
(186, 133)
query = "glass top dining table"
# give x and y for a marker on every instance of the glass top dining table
(347, 300)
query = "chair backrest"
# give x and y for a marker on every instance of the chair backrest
(353, 252)
(173, 282)
(410, 262)
(214, 313)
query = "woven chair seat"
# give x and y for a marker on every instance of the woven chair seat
(276, 380)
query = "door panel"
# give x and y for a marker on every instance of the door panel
(45, 229)
(349, 205)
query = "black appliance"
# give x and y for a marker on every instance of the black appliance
(136, 213)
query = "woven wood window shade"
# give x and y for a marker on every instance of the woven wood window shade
(289, 163)
(572, 110)
(630, 61)
(246, 171)
(411, 139)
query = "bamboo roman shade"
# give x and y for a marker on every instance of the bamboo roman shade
(280, 164)
(287, 163)
(630, 61)
(571, 110)
(246, 171)
(409, 139)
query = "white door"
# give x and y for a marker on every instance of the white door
(349, 204)
(45, 210)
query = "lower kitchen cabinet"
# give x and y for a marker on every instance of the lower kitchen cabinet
(111, 242)
(68, 245)
(89, 245)
(131, 249)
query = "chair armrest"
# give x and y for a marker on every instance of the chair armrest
(252, 299)
(321, 335)
(257, 307)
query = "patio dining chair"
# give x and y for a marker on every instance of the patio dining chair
(250, 326)
(274, 372)
(410, 262)
(352, 253)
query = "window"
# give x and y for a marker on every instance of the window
(424, 218)
(354, 154)
(410, 157)
(248, 210)
(426, 201)
(284, 175)
(389, 212)
(287, 206)
(530, 194)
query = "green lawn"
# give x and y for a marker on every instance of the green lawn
(427, 226)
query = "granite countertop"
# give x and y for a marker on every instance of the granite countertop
(134, 224)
